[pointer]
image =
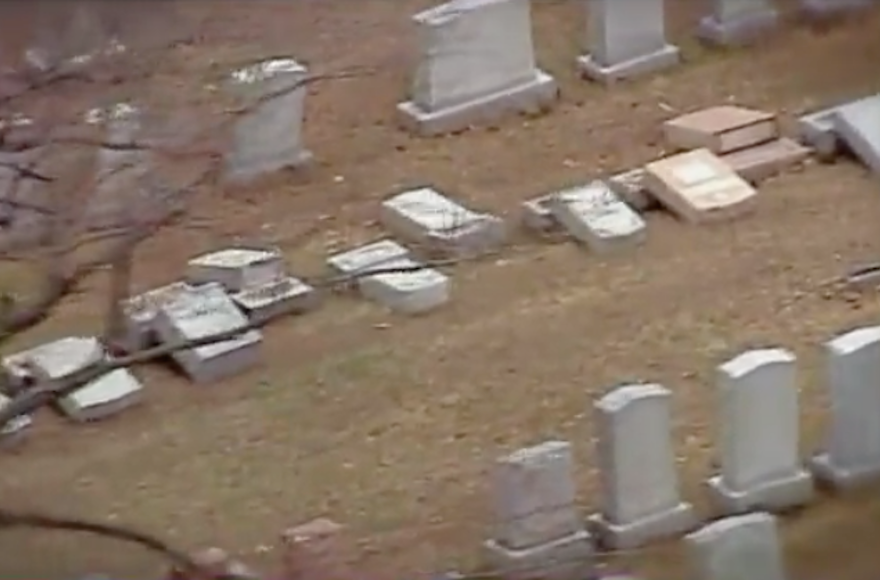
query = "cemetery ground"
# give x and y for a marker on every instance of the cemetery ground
(390, 424)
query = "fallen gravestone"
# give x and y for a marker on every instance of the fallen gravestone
(14, 431)
(238, 268)
(721, 129)
(284, 296)
(595, 216)
(477, 64)
(858, 125)
(414, 290)
(735, 22)
(367, 257)
(626, 39)
(105, 396)
(760, 162)
(699, 187)
(745, 547)
(440, 225)
(140, 314)
(817, 131)
(203, 312)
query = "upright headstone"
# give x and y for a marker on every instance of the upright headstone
(760, 465)
(268, 135)
(640, 492)
(737, 548)
(477, 63)
(626, 38)
(852, 453)
(823, 9)
(737, 21)
(539, 532)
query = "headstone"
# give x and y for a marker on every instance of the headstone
(415, 289)
(852, 452)
(284, 296)
(108, 395)
(742, 547)
(760, 162)
(734, 22)
(429, 218)
(626, 38)
(858, 125)
(53, 362)
(140, 314)
(268, 135)
(721, 129)
(699, 187)
(640, 490)
(823, 9)
(760, 462)
(595, 216)
(199, 314)
(539, 532)
(477, 64)
(630, 186)
(13, 432)
(369, 257)
(238, 268)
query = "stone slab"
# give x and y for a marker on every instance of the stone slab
(630, 186)
(13, 433)
(720, 129)
(760, 162)
(106, 396)
(816, 130)
(61, 358)
(736, 547)
(739, 29)
(662, 59)
(858, 125)
(140, 313)
(675, 521)
(441, 225)
(699, 187)
(568, 558)
(367, 257)
(408, 292)
(284, 296)
(772, 496)
(537, 217)
(237, 268)
(595, 216)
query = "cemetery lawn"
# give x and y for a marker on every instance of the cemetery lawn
(389, 424)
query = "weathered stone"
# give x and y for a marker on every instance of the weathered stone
(283, 296)
(238, 268)
(105, 396)
(742, 547)
(204, 312)
(594, 215)
(816, 130)
(427, 217)
(410, 292)
(852, 453)
(699, 187)
(536, 215)
(626, 38)
(721, 129)
(640, 491)
(630, 186)
(760, 162)
(858, 125)
(53, 362)
(760, 463)
(735, 22)
(268, 137)
(477, 64)
(369, 257)
(140, 313)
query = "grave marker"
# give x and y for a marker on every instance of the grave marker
(734, 22)
(721, 129)
(368, 257)
(237, 268)
(140, 314)
(743, 547)
(858, 125)
(283, 296)
(108, 395)
(760, 162)
(594, 215)
(412, 292)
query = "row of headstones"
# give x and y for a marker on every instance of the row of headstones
(761, 470)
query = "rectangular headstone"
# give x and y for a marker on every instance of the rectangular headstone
(721, 129)
(427, 217)
(268, 136)
(594, 215)
(284, 296)
(743, 547)
(858, 125)
(640, 490)
(410, 292)
(54, 361)
(760, 162)
(760, 432)
(140, 313)
(734, 22)
(368, 257)
(477, 63)
(626, 38)
(105, 396)
(238, 268)
(699, 187)
(852, 452)
(206, 311)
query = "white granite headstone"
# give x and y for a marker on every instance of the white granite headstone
(237, 268)
(745, 547)
(415, 289)
(105, 396)
(367, 257)
(140, 313)
(594, 215)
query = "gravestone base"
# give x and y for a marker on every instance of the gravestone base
(672, 522)
(666, 57)
(568, 558)
(244, 171)
(531, 97)
(840, 478)
(276, 299)
(415, 292)
(827, 9)
(479, 237)
(735, 31)
(239, 358)
(781, 494)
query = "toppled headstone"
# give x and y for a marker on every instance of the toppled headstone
(630, 186)
(721, 129)
(414, 290)
(429, 218)
(760, 162)
(594, 215)
(284, 296)
(626, 39)
(699, 187)
(14, 431)
(745, 547)
(268, 135)
(816, 130)
(477, 64)
(735, 22)
(140, 313)
(206, 311)
(108, 395)
(368, 257)
(238, 268)
(52, 362)
(858, 125)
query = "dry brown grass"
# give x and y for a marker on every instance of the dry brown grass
(392, 429)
